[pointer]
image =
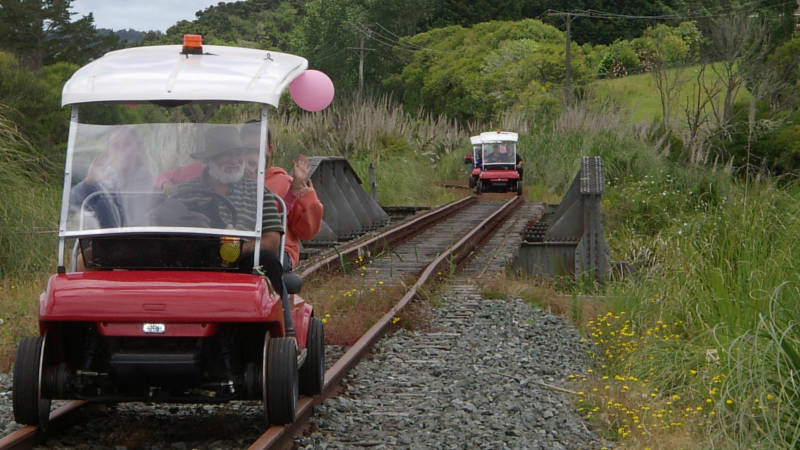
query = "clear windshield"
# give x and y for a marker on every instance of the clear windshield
(503, 153)
(157, 176)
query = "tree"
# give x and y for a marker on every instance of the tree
(41, 32)
(739, 43)
(483, 71)
(264, 24)
(671, 49)
(328, 34)
(598, 30)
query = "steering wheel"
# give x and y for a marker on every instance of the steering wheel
(208, 203)
(106, 210)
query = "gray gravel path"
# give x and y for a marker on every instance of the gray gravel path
(483, 378)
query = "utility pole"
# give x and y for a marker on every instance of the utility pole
(567, 53)
(568, 65)
(366, 32)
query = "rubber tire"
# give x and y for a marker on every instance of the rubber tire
(282, 386)
(265, 376)
(519, 187)
(472, 179)
(29, 407)
(479, 187)
(312, 374)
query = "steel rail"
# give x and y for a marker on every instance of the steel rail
(386, 238)
(29, 436)
(456, 254)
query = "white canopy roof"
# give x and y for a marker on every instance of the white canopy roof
(489, 137)
(162, 73)
(475, 140)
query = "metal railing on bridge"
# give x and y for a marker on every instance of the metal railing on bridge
(569, 240)
(349, 211)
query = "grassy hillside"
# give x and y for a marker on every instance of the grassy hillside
(638, 94)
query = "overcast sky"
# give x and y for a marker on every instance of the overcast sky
(142, 15)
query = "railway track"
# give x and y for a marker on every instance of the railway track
(412, 252)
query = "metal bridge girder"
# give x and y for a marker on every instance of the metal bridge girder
(349, 210)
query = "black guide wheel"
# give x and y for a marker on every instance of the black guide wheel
(312, 374)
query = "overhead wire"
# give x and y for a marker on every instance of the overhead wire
(386, 38)
(718, 11)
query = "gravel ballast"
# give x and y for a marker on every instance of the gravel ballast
(488, 375)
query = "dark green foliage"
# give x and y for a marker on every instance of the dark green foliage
(619, 60)
(480, 72)
(774, 144)
(42, 33)
(33, 98)
(264, 24)
(660, 46)
(128, 36)
(778, 14)
(603, 31)
(329, 35)
(785, 63)
(778, 146)
(455, 12)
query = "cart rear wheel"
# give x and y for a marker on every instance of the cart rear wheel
(519, 187)
(312, 374)
(30, 408)
(281, 383)
(472, 179)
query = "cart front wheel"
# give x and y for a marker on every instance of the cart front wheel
(30, 406)
(281, 382)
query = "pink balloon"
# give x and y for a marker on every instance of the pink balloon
(312, 90)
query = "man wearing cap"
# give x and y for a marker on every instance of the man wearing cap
(304, 210)
(223, 156)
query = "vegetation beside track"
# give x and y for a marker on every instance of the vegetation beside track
(701, 342)
(716, 262)
(706, 330)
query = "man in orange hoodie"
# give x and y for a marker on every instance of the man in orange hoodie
(304, 216)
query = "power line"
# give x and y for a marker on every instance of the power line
(719, 11)
(390, 40)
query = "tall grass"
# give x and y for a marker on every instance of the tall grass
(406, 151)
(551, 153)
(28, 206)
(717, 259)
(28, 218)
(360, 129)
(724, 266)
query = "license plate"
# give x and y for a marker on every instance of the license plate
(154, 328)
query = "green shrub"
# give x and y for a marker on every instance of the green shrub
(620, 60)
(480, 72)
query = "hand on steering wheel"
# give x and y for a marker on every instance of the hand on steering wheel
(208, 203)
